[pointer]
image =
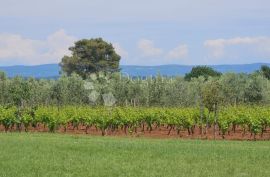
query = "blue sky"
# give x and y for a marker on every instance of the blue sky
(143, 32)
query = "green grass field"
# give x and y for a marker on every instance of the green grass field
(57, 155)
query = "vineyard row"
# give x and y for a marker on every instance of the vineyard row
(253, 120)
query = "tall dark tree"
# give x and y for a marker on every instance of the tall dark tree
(91, 56)
(265, 70)
(204, 71)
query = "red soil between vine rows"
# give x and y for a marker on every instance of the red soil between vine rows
(159, 132)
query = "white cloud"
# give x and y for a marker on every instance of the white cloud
(29, 51)
(148, 49)
(219, 47)
(180, 51)
(120, 51)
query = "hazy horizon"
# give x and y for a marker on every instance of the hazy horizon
(259, 63)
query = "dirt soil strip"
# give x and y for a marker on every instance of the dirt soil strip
(160, 132)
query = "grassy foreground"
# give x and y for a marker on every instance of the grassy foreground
(56, 155)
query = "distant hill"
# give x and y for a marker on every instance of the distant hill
(37, 71)
(53, 70)
(172, 70)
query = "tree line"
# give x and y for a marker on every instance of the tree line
(227, 89)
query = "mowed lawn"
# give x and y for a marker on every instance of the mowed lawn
(57, 155)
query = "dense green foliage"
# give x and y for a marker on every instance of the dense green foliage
(47, 155)
(203, 71)
(129, 119)
(91, 56)
(265, 71)
(230, 89)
